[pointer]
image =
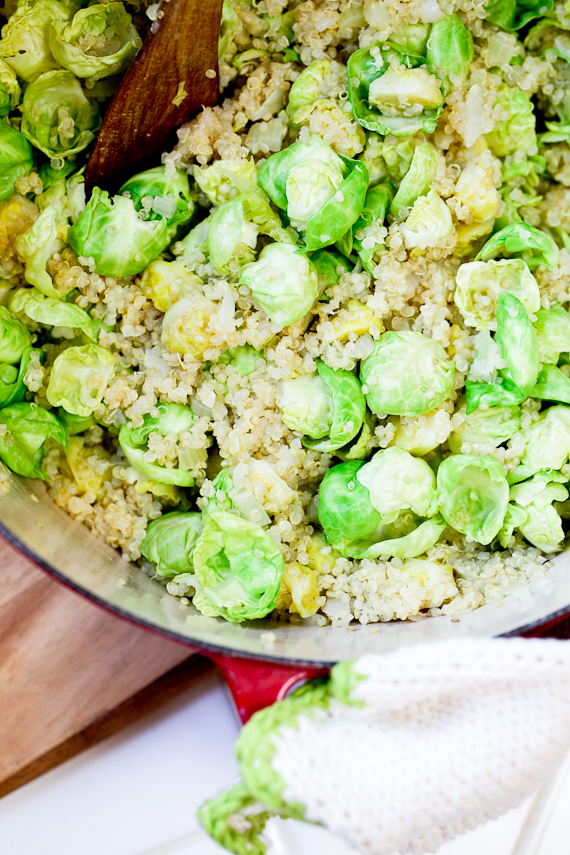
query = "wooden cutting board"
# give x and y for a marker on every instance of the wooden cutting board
(72, 674)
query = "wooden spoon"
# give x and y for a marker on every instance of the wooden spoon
(172, 77)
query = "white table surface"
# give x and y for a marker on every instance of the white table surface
(137, 794)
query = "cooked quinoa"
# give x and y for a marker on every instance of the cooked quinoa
(237, 418)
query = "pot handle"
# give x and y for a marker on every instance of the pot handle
(255, 684)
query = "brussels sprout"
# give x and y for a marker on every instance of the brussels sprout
(479, 284)
(28, 429)
(299, 590)
(406, 374)
(173, 419)
(552, 327)
(258, 210)
(486, 428)
(228, 27)
(227, 497)
(79, 377)
(503, 393)
(238, 567)
(327, 406)
(548, 442)
(345, 511)
(231, 239)
(360, 447)
(110, 233)
(417, 181)
(428, 222)
(308, 87)
(520, 184)
(165, 282)
(15, 158)
(99, 41)
(397, 481)
(4, 101)
(58, 118)
(449, 48)
(517, 131)
(192, 250)
(517, 339)
(394, 91)
(367, 242)
(329, 266)
(551, 385)
(36, 246)
(10, 88)
(74, 424)
(476, 191)
(51, 175)
(215, 180)
(513, 14)
(405, 545)
(473, 495)
(157, 196)
(284, 282)
(24, 43)
(51, 312)
(170, 542)
(542, 525)
(245, 359)
(413, 37)
(185, 325)
(322, 192)
(535, 246)
(12, 388)
(15, 337)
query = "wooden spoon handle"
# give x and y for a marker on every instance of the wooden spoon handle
(164, 87)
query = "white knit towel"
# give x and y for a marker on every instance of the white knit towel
(451, 735)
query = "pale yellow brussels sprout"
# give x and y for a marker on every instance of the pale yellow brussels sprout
(308, 88)
(90, 466)
(184, 327)
(299, 590)
(79, 377)
(402, 91)
(476, 191)
(36, 246)
(471, 237)
(322, 557)
(428, 222)
(421, 434)
(17, 214)
(215, 180)
(479, 284)
(165, 282)
(436, 579)
(356, 318)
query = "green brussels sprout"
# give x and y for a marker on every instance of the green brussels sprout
(227, 497)
(428, 222)
(12, 388)
(327, 406)
(51, 175)
(535, 246)
(159, 196)
(216, 179)
(520, 184)
(29, 429)
(517, 339)
(228, 27)
(25, 38)
(486, 428)
(406, 374)
(366, 240)
(418, 179)
(238, 567)
(473, 495)
(51, 312)
(74, 424)
(450, 48)
(98, 42)
(542, 525)
(308, 87)
(10, 88)
(258, 210)
(516, 132)
(322, 192)
(15, 337)
(551, 385)
(385, 160)
(170, 542)
(345, 511)
(552, 327)
(513, 14)
(397, 481)
(283, 281)
(330, 266)
(413, 37)
(503, 393)
(173, 419)
(548, 443)
(79, 377)
(231, 240)
(393, 90)
(359, 448)
(111, 234)
(4, 101)
(479, 284)
(58, 118)
(36, 246)
(15, 158)
(245, 359)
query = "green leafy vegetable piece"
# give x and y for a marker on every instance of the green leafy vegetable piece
(10, 87)
(58, 117)
(541, 525)
(245, 359)
(29, 429)
(489, 427)
(428, 222)
(378, 87)
(548, 441)
(345, 510)
(406, 374)
(513, 14)
(328, 264)
(51, 312)
(551, 385)
(110, 232)
(36, 246)
(231, 238)
(518, 130)
(161, 196)
(479, 284)
(170, 542)
(503, 393)
(238, 566)
(552, 327)
(397, 481)
(15, 158)
(410, 545)
(12, 388)
(517, 339)
(450, 48)
(373, 214)
(535, 246)
(79, 377)
(25, 38)
(284, 282)
(228, 27)
(15, 337)
(308, 87)
(173, 419)
(74, 424)
(100, 40)
(475, 495)
(418, 179)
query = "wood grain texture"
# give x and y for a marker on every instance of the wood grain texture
(70, 673)
(180, 48)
